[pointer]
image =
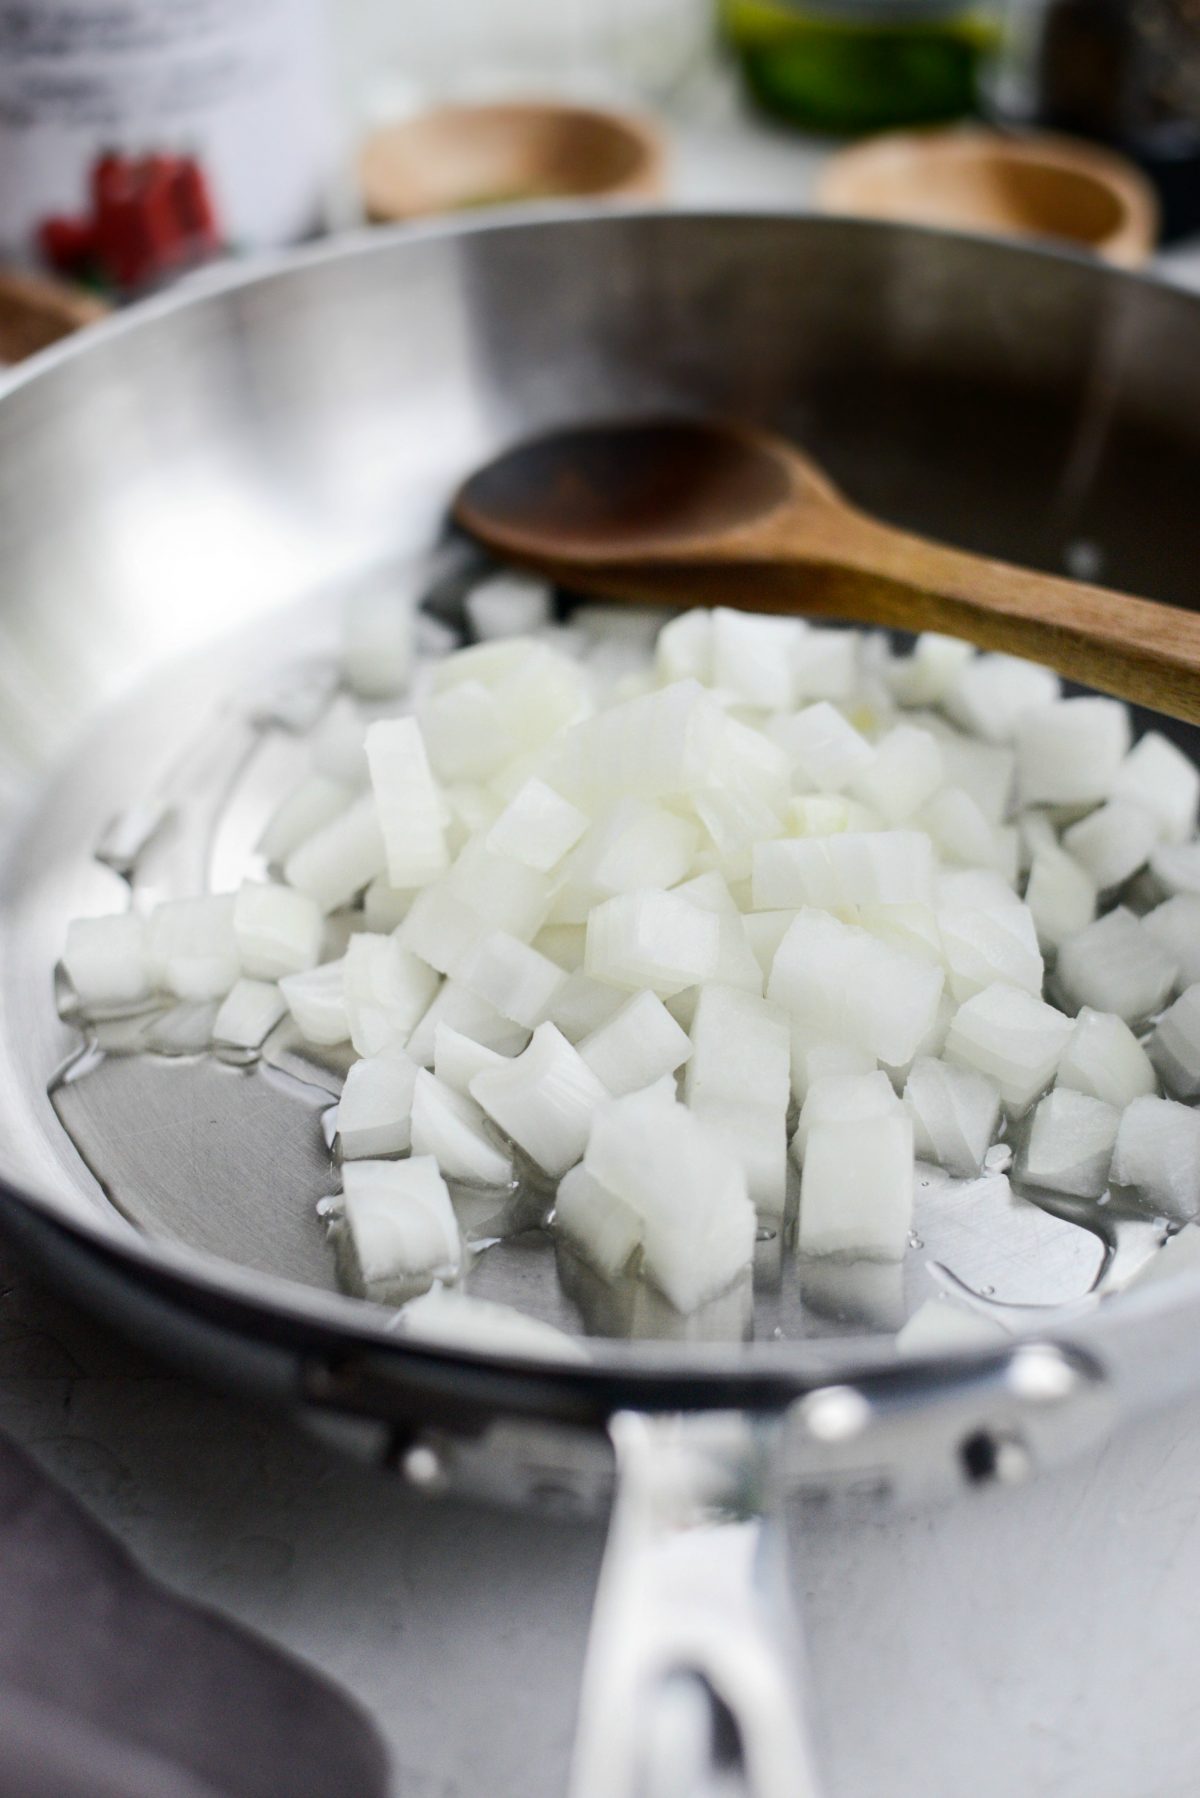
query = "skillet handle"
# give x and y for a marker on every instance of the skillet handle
(694, 1672)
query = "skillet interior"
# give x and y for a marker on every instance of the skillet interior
(170, 486)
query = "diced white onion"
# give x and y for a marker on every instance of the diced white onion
(458, 1058)
(508, 605)
(1157, 1155)
(543, 1099)
(388, 990)
(844, 1099)
(1071, 1143)
(314, 803)
(1070, 753)
(856, 1191)
(1175, 927)
(248, 1014)
(636, 1046)
(537, 826)
(1157, 775)
(1113, 842)
(317, 1002)
(278, 930)
(601, 1228)
(191, 949)
(377, 637)
(341, 858)
(511, 976)
(698, 1223)
(1013, 1039)
(105, 960)
(450, 1126)
(954, 1112)
(408, 804)
(401, 1226)
(857, 990)
(1117, 965)
(1175, 1045)
(1104, 1059)
(651, 939)
(375, 1110)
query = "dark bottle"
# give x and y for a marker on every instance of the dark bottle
(1126, 72)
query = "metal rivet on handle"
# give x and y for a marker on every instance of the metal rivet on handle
(1041, 1374)
(422, 1468)
(836, 1413)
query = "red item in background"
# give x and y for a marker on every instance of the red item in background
(67, 245)
(150, 217)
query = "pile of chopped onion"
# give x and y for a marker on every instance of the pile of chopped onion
(705, 933)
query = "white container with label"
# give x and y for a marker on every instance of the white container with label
(138, 137)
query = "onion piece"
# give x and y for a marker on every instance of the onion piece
(277, 930)
(401, 1226)
(450, 1126)
(512, 977)
(1157, 775)
(1071, 1143)
(1013, 1039)
(1117, 965)
(1174, 1046)
(1175, 927)
(954, 1113)
(602, 1229)
(342, 858)
(854, 988)
(856, 1191)
(537, 827)
(375, 1110)
(377, 637)
(636, 1046)
(1104, 1059)
(191, 949)
(1113, 842)
(1157, 1155)
(544, 1100)
(698, 1223)
(317, 1002)
(408, 805)
(651, 939)
(844, 1099)
(509, 605)
(456, 1319)
(105, 960)
(387, 991)
(1070, 753)
(248, 1014)
(309, 806)
(457, 1058)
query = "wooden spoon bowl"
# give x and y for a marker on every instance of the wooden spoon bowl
(686, 511)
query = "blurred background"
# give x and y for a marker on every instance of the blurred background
(146, 139)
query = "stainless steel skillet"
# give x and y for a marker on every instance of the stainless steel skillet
(175, 496)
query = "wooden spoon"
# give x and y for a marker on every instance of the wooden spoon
(681, 512)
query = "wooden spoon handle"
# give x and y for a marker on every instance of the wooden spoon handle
(847, 566)
(1136, 649)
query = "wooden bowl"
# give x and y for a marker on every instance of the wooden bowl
(507, 154)
(35, 311)
(970, 178)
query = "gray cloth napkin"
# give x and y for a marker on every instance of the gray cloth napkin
(113, 1687)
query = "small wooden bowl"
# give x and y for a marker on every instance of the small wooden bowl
(968, 178)
(35, 311)
(507, 154)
